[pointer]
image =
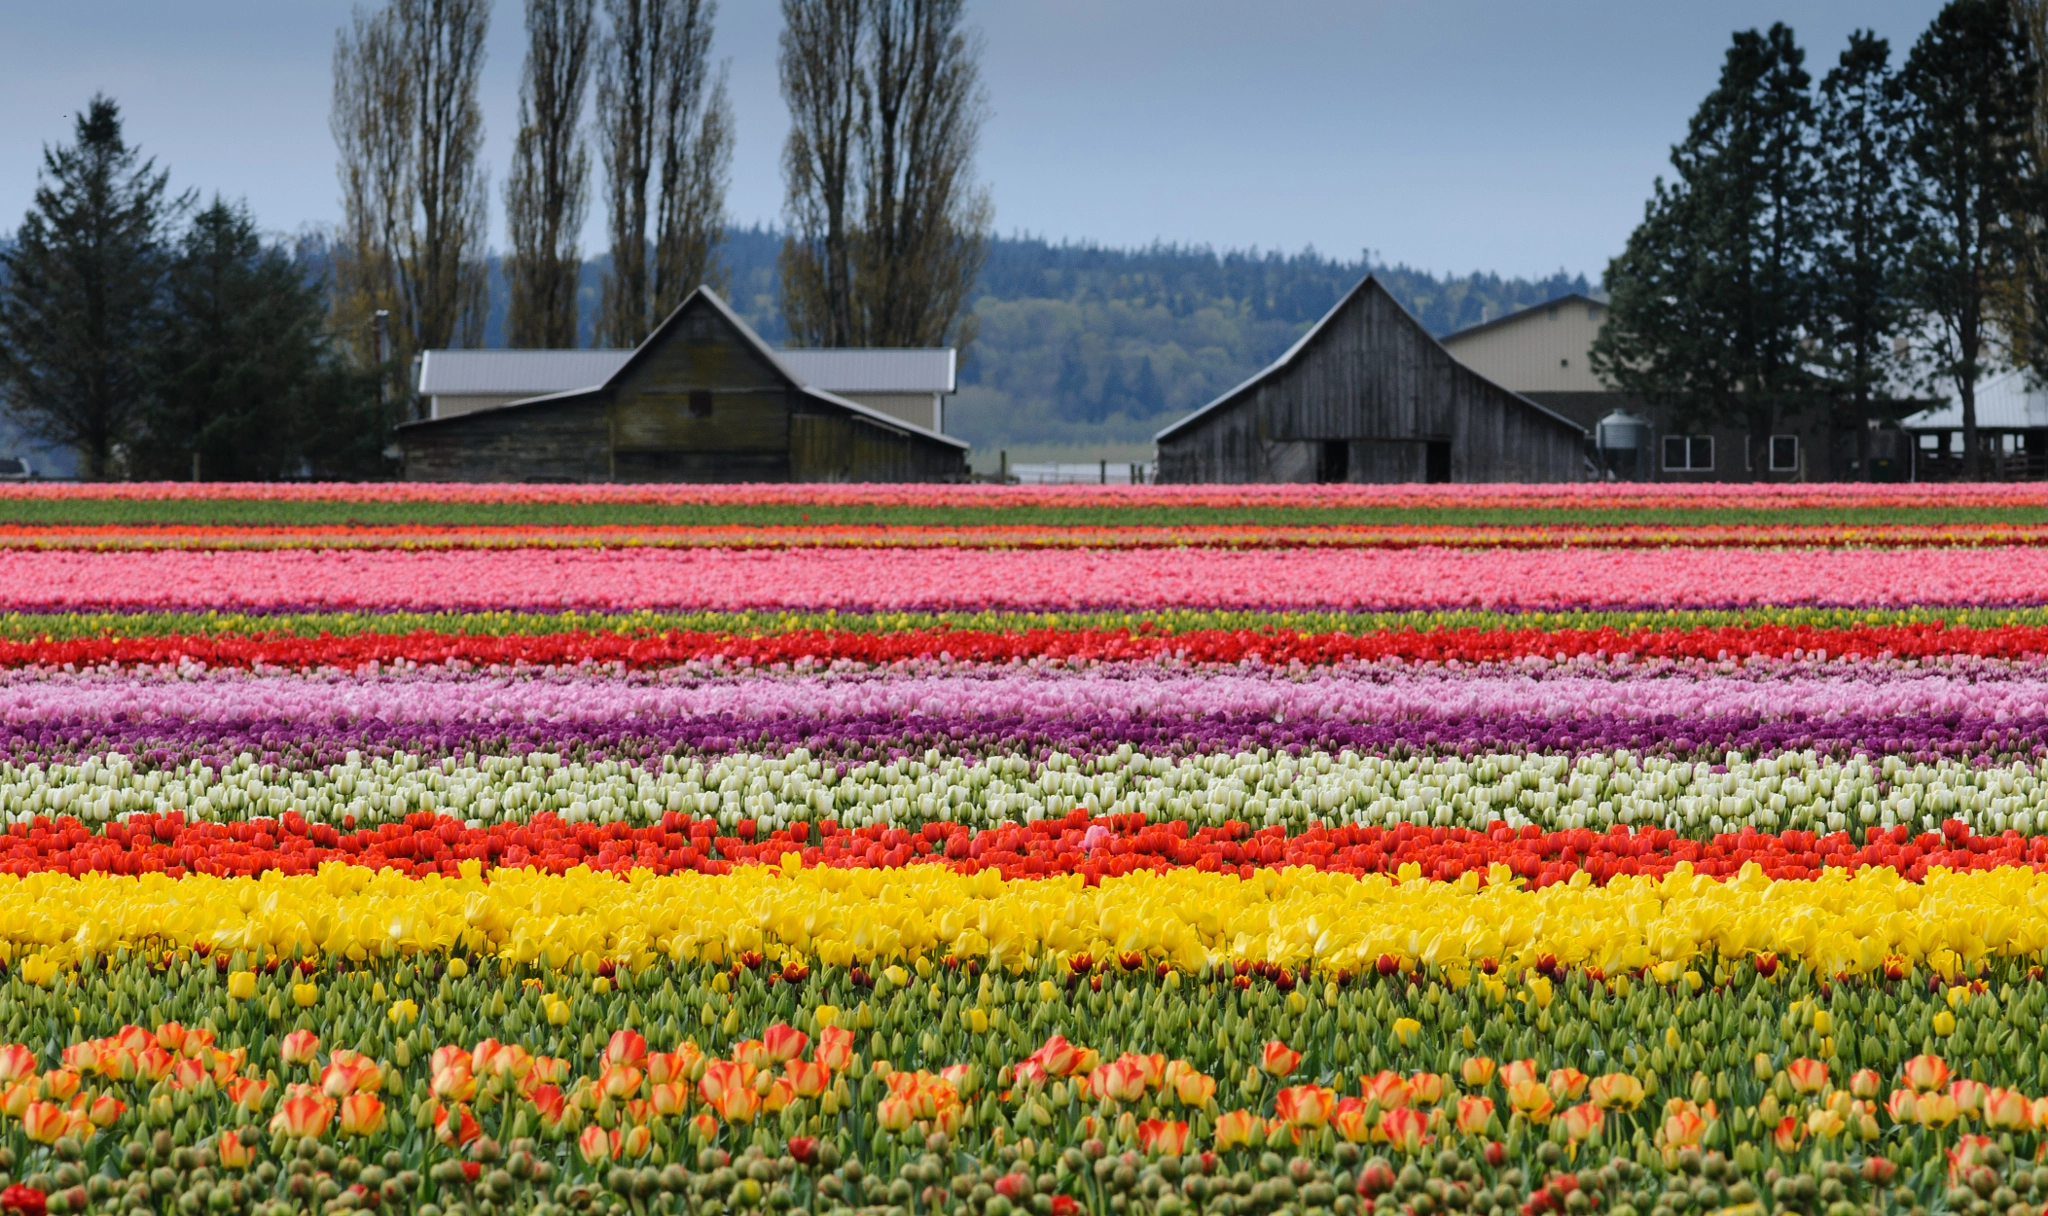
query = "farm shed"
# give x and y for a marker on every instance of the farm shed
(702, 399)
(1367, 395)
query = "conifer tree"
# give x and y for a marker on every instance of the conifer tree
(81, 303)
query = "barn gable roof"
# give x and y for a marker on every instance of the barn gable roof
(1524, 314)
(703, 297)
(1367, 287)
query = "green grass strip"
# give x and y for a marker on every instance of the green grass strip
(22, 627)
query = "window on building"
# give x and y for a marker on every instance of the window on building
(1689, 453)
(1564, 362)
(1784, 453)
(1930, 442)
(700, 403)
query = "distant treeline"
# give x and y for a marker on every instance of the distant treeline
(1081, 344)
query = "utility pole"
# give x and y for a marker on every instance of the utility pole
(380, 341)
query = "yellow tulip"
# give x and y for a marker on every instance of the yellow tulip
(404, 1013)
(305, 996)
(1674, 926)
(242, 985)
(1944, 1023)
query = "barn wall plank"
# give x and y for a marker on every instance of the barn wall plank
(1372, 376)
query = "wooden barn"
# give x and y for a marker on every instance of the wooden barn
(1367, 395)
(702, 399)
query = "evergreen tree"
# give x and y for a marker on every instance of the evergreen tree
(1969, 82)
(80, 305)
(245, 379)
(1070, 391)
(1865, 225)
(1146, 395)
(1713, 299)
(1112, 397)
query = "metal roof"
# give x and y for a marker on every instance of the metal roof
(523, 372)
(1522, 314)
(2004, 402)
(503, 373)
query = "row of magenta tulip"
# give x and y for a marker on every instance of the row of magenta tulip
(1868, 798)
(586, 1074)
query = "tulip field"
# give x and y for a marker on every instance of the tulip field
(983, 851)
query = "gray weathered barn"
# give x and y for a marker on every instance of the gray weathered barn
(702, 399)
(1367, 395)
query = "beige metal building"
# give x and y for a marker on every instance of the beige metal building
(1537, 350)
(1544, 353)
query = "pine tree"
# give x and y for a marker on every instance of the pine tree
(81, 307)
(1070, 391)
(1714, 295)
(1969, 82)
(1113, 397)
(1864, 223)
(1146, 394)
(245, 380)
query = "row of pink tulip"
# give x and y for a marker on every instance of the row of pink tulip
(887, 579)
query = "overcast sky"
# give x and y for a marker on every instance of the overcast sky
(1452, 135)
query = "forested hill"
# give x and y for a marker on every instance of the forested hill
(1092, 349)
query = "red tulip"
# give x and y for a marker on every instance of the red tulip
(1807, 1076)
(1278, 1059)
(299, 1047)
(455, 1125)
(1157, 1136)
(1582, 1121)
(44, 1122)
(808, 1078)
(1306, 1106)
(303, 1115)
(627, 1047)
(1925, 1073)
(596, 1145)
(1405, 1129)
(784, 1042)
(549, 1104)
(835, 1048)
(362, 1114)
(105, 1110)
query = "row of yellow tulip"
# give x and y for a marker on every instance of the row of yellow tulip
(1186, 919)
